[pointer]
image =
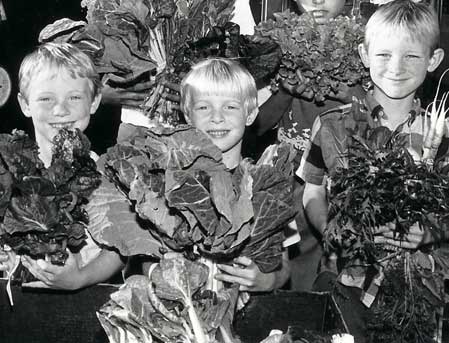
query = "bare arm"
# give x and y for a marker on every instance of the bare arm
(316, 205)
(71, 276)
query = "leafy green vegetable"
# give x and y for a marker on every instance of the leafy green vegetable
(171, 305)
(319, 56)
(382, 184)
(139, 39)
(41, 208)
(191, 203)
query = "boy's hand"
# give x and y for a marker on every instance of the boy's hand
(416, 237)
(246, 273)
(132, 96)
(67, 276)
(298, 90)
(342, 94)
(8, 260)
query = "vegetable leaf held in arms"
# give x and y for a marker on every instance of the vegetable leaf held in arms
(386, 181)
(191, 203)
(170, 305)
(41, 210)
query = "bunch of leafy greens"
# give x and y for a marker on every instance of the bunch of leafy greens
(322, 57)
(136, 39)
(261, 56)
(382, 184)
(171, 305)
(189, 202)
(41, 210)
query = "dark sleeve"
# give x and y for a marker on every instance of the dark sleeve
(271, 112)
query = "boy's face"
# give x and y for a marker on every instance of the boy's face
(222, 118)
(398, 65)
(322, 10)
(56, 100)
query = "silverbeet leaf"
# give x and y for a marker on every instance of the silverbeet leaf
(189, 202)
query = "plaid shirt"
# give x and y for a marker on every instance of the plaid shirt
(329, 144)
(329, 139)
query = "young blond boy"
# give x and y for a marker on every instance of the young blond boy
(398, 66)
(59, 88)
(219, 97)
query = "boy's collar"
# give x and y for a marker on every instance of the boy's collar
(377, 112)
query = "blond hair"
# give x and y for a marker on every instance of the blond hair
(54, 57)
(416, 20)
(219, 76)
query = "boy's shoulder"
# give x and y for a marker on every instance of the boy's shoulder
(336, 113)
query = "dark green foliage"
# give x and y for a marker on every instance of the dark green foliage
(383, 184)
(41, 208)
(322, 57)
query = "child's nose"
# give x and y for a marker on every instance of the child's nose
(61, 108)
(217, 116)
(396, 65)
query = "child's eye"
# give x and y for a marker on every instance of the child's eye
(232, 107)
(201, 107)
(75, 97)
(412, 57)
(44, 99)
(383, 55)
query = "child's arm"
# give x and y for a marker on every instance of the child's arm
(246, 273)
(315, 205)
(71, 276)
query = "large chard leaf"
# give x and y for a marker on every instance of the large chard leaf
(156, 307)
(111, 225)
(273, 205)
(177, 278)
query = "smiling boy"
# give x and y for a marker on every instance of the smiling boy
(57, 96)
(59, 88)
(219, 97)
(398, 66)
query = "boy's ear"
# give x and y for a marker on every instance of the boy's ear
(251, 117)
(363, 55)
(23, 102)
(435, 60)
(95, 103)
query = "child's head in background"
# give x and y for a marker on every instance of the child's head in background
(219, 97)
(321, 10)
(58, 88)
(401, 46)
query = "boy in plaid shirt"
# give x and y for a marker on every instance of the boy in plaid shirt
(398, 66)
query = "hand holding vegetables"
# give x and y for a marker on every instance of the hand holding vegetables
(416, 236)
(54, 276)
(116, 91)
(8, 260)
(247, 274)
